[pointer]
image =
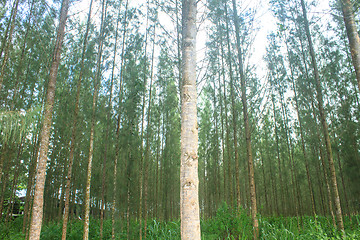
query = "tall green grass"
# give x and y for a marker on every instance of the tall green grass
(227, 224)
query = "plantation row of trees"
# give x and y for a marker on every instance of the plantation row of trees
(92, 115)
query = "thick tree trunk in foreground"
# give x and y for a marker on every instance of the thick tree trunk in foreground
(353, 36)
(37, 209)
(189, 181)
(324, 123)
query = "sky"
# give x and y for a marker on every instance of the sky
(265, 24)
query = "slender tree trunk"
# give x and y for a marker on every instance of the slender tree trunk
(157, 183)
(108, 120)
(344, 187)
(14, 184)
(324, 123)
(282, 196)
(229, 175)
(264, 182)
(62, 187)
(147, 149)
(353, 36)
(141, 175)
(117, 147)
(290, 152)
(320, 183)
(30, 185)
(74, 128)
(234, 114)
(324, 168)
(19, 72)
(5, 180)
(37, 210)
(97, 81)
(9, 41)
(247, 125)
(189, 182)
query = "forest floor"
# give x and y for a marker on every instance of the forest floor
(227, 224)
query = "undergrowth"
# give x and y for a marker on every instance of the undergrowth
(228, 224)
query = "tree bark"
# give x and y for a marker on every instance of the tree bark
(234, 113)
(37, 210)
(97, 81)
(117, 146)
(227, 137)
(247, 125)
(324, 123)
(147, 148)
(74, 128)
(7, 44)
(108, 120)
(353, 36)
(189, 182)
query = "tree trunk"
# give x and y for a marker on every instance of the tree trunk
(108, 120)
(234, 114)
(37, 210)
(117, 146)
(353, 36)
(30, 185)
(147, 148)
(74, 128)
(229, 175)
(141, 174)
(189, 182)
(247, 126)
(14, 184)
(324, 168)
(7, 44)
(264, 182)
(324, 123)
(97, 81)
(282, 196)
(19, 72)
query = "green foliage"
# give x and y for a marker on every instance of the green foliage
(163, 230)
(12, 230)
(16, 124)
(229, 224)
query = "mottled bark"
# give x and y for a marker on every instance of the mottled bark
(319, 96)
(189, 182)
(37, 210)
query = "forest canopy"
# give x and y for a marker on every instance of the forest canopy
(169, 119)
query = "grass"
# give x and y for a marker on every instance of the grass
(227, 224)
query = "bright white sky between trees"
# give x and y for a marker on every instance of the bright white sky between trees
(264, 24)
